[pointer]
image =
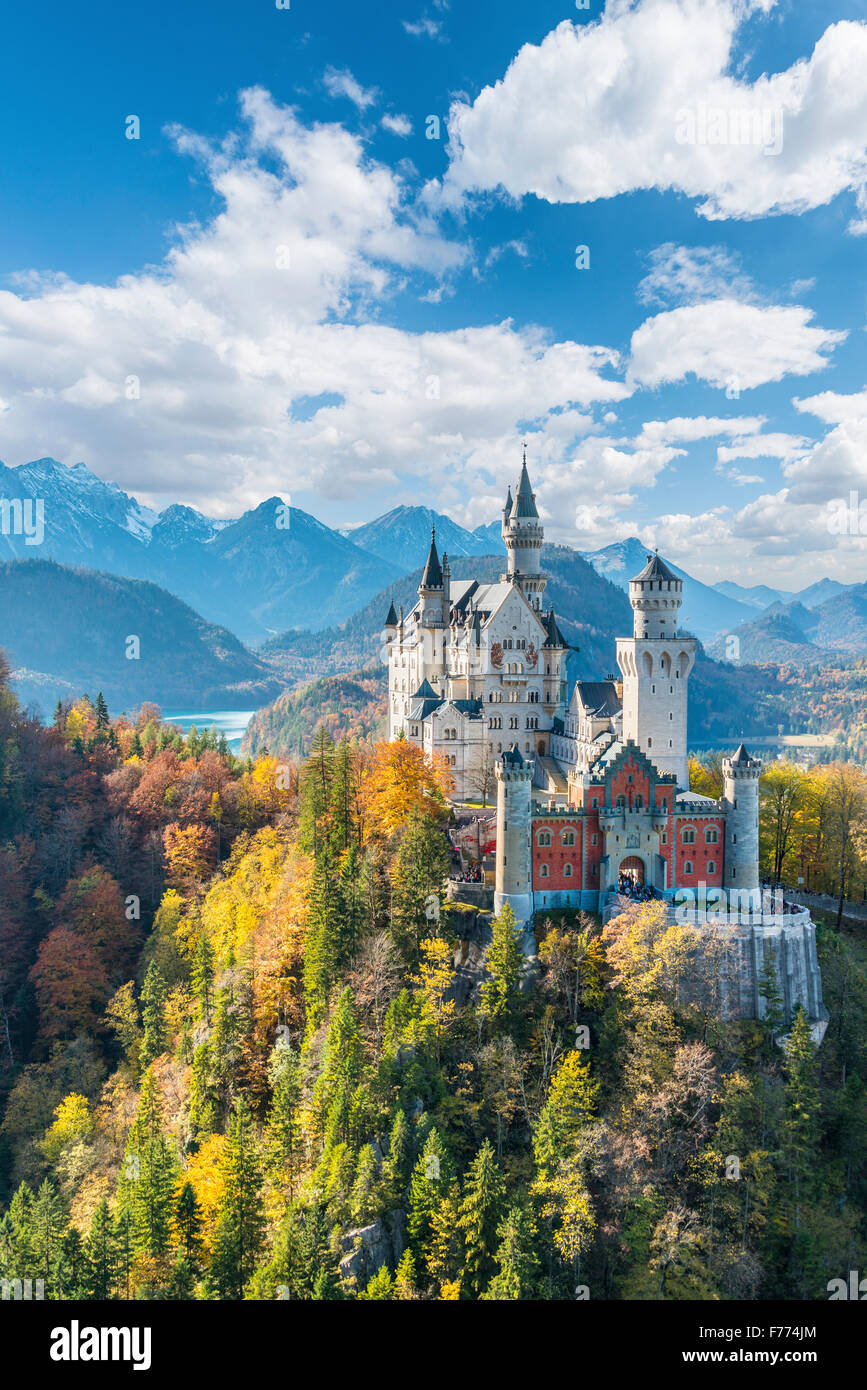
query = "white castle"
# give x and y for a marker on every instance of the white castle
(592, 791)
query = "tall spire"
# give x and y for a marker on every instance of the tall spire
(525, 502)
(433, 575)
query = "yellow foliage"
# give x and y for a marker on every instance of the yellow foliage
(205, 1175)
(400, 779)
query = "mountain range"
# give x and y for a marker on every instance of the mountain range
(67, 631)
(274, 567)
(797, 634)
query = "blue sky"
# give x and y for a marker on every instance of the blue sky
(284, 286)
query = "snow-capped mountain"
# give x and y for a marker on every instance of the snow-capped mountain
(274, 568)
(705, 610)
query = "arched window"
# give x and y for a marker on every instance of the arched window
(711, 835)
(544, 838)
(687, 868)
(688, 836)
(568, 837)
(639, 801)
(620, 803)
(567, 870)
(711, 867)
(543, 870)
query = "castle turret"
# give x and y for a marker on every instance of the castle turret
(656, 663)
(431, 590)
(524, 534)
(741, 796)
(514, 881)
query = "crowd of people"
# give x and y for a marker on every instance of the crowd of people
(629, 887)
(472, 874)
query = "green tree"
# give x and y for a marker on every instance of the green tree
(241, 1223)
(153, 1010)
(479, 1218)
(503, 963)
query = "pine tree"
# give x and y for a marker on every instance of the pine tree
(202, 978)
(153, 1012)
(801, 1126)
(241, 1222)
(480, 1213)
(431, 1178)
(102, 715)
(516, 1257)
(283, 1131)
(503, 963)
(769, 990)
(342, 1065)
(70, 1279)
(101, 1255)
(399, 1154)
(317, 775)
(188, 1225)
(149, 1173)
(380, 1287)
(404, 1279)
(48, 1225)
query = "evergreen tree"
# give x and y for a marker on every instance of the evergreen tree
(516, 1257)
(241, 1222)
(431, 1178)
(150, 1169)
(100, 1255)
(188, 1226)
(503, 964)
(202, 978)
(479, 1218)
(48, 1226)
(801, 1127)
(102, 715)
(153, 1012)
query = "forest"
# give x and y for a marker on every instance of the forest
(233, 1064)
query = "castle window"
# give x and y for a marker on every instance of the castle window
(650, 743)
(711, 867)
(688, 836)
(543, 870)
(568, 837)
(687, 868)
(567, 870)
(734, 839)
(543, 839)
(711, 835)
(639, 802)
(595, 840)
(620, 803)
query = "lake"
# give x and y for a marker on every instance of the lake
(230, 722)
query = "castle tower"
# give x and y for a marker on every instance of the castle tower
(741, 796)
(514, 882)
(655, 664)
(431, 590)
(523, 534)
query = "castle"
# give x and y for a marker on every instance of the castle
(592, 791)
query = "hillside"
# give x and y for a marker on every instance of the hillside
(589, 610)
(353, 706)
(66, 631)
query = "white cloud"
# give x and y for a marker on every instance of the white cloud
(690, 274)
(832, 407)
(764, 446)
(423, 28)
(644, 97)
(339, 82)
(275, 300)
(730, 345)
(397, 125)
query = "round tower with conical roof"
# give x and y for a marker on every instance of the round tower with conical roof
(514, 879)
(524, 535)
(655, 663)
(741, 795)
